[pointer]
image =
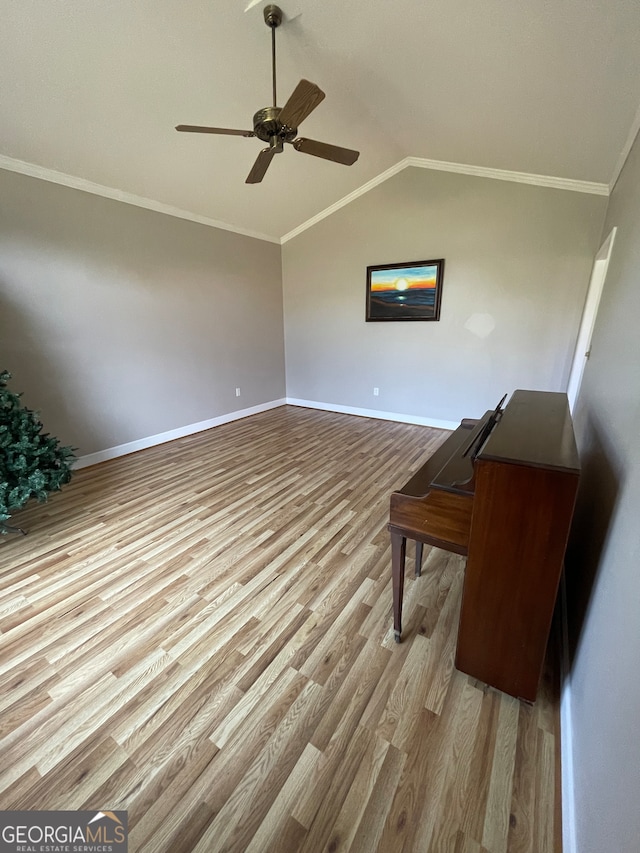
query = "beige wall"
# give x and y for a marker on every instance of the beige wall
(604, 557)
(119, 323)
(516, 256)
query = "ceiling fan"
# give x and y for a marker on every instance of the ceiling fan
(277, 125)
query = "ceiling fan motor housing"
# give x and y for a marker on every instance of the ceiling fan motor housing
(266, 125)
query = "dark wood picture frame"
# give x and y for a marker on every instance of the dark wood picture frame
(405, 291)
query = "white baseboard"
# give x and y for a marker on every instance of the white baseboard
(373, 413)
(191, 429)
(566, 735)
(180, 432)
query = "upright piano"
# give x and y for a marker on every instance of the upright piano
(501, 491)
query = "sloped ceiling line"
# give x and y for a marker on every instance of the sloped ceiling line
(459, 168)
(83, 185)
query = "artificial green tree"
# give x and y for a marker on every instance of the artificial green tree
(32, 463)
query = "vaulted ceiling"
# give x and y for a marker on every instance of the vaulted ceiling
(94, 90)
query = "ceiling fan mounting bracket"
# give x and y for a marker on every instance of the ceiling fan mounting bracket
(272, 15)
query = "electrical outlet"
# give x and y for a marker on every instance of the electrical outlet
(237, 392)
(376, 391)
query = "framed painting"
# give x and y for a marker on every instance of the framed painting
(410, 291)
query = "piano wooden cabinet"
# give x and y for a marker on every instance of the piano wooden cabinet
(506, 503)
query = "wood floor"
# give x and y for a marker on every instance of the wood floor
(200, 633)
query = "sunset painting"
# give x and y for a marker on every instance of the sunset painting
(409, 291)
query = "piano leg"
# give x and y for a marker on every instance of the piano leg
(398, 552)
(419, 547)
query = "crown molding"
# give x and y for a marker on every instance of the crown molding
(458, 168)
(379, 179)
(54, 177)
(515, 177)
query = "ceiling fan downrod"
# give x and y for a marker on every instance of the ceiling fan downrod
(273, 19)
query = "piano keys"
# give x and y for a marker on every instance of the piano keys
(500, 491)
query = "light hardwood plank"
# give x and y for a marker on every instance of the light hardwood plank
(200, 633)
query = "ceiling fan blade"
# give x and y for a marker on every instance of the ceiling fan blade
(261, 165)
(303, 101)
(328, 152)
(195, 128)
